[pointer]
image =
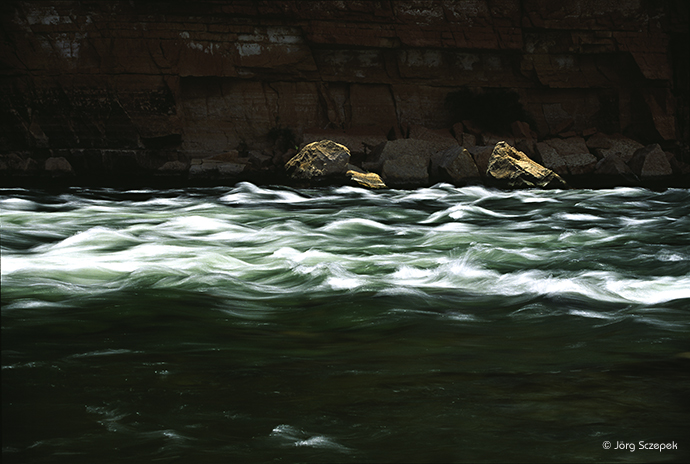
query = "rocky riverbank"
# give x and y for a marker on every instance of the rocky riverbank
(418, 158)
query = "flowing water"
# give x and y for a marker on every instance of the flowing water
(262, 324)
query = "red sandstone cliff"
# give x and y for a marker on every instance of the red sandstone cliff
(126, 86)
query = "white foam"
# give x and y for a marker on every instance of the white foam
(578, 217)
(651, 291)
(411, 275)
(297, 437)
(460, 317)
(106, 245)
(246, 193)
(590, 314)
(632, 222)
(671, 257)
(355, 224)
(344, 283)
(17, 204)
(110, 352)
(401, 291)
(196, 224)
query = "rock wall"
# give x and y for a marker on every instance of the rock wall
(124, 87)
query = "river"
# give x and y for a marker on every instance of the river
(269, 324)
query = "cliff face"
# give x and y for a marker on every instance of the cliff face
(134, 84)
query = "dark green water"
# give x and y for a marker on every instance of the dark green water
(342, 325)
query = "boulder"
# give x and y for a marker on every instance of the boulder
(318, 160)
(402, 163)
(406, 171)
(615, 168)
(454, 165)
(513, 169)
(650, 161)
(551, 159)
(361, 178)
(617, 144)
(575, 153)
(580, 163)
(58, 167)
(172, 168)
(598, 140)
(481, 155)
(394, 149)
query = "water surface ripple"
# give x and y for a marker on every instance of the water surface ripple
(265, 324)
